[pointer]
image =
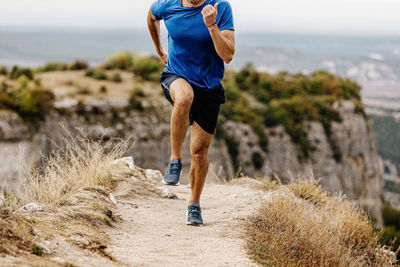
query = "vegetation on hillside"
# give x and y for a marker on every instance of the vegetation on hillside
(28, 98)
(387, 131)
(301, 225)
(288, 100)
(391, 231)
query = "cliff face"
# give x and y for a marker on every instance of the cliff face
(358, 172)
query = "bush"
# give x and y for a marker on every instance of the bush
(135, 99)
(116, 78)
(103, 89)
(391, 231)
(3, 70)
(79, 65)
(148, 68)
(120, 61)
(17, 72)
(53, 66)
(138, 92)
(300, 225)
(97, 74)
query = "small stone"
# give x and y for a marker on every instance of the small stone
(31, 207)
(79, 240)
(128, 161)
(153, 174)
(113, 200)
(46, 246)
(166, 193)
(2, 201)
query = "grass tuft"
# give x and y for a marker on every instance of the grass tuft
(300, 225)
(83, 163)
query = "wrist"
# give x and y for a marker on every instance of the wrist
(212, 26)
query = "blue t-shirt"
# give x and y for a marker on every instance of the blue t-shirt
(191, 52)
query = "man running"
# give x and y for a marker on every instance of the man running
(200, 39)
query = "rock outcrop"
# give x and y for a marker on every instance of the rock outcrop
(358, 172)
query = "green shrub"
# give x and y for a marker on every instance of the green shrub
(116, 78)
(148, 68)
(119, 61)
(103, 89)
(32, 103)
(3, 70)
(17, 72)
(391, 231)
(97, 74)
(138, 91)
(53, 66)
(78, 65)
(135, 98)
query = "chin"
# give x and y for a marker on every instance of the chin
(195, 2)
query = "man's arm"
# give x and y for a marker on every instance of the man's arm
(224, 41)
(154, 29)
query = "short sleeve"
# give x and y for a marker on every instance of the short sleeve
(157, 9)
(226, 20)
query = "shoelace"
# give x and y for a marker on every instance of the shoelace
(194, 212)
(174, 168)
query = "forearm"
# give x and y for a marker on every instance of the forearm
(224, 46)
(154, 29)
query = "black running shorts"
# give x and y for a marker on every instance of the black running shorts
(206, 103)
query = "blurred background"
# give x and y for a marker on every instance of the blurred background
(288, 53)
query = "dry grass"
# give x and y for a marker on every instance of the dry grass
(74, 186)
(83, 163)
(300, 225)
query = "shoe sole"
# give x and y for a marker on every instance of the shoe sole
(192, 224)
(166, 183)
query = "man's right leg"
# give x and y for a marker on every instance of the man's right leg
(182, 94)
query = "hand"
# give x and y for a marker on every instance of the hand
(163, 55)
(209, 13)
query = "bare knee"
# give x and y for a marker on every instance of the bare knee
(182, 94)
(183, 102)
(200, 154)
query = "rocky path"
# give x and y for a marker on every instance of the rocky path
(154, 233)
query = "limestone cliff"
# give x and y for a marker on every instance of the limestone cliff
(358, 172)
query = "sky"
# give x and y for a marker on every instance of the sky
(365, 17)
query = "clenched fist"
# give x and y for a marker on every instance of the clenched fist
(209, 13)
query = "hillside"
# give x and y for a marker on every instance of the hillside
(89, 207)
(285, 124)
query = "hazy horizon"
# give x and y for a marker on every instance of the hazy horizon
(341, 17)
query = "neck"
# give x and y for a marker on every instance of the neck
(192, 3)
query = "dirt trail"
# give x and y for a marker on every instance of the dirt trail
(154, 233)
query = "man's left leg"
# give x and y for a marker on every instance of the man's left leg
(200, 141)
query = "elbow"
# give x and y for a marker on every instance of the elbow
(228, 60)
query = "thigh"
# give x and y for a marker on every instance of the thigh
(180, 89)
(200, 140)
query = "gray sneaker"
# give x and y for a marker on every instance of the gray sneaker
(171, 176)
(193, 213)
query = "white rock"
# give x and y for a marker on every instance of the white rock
(113, 200)
(79, 240)
(31, 207)
(166, 193)
(153, 174)
(128, 161)
(46, 246)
